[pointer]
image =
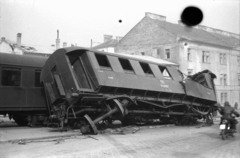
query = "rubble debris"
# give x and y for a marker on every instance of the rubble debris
(56, 139)
(122, 130)
(92, 137)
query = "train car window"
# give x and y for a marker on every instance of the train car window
(37, 78)
(146, 69)
(127, 67)
(103, 61)
(165, 72)
(202, 80)
(11, 77)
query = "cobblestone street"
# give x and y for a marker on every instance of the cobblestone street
(165, 142)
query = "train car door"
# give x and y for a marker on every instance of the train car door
(81, 74)
(58, 81)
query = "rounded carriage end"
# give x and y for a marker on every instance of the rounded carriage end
(91, 124)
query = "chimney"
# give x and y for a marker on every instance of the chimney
(118, 38)
(64, 44)
(107, 37)
(57, 40)
(19, 36)
(155, 16)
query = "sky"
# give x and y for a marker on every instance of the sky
(79, 21)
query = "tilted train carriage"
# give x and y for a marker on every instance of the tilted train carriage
(88, 87)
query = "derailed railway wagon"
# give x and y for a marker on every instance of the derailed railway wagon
(89, 87)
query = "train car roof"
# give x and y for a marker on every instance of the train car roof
(128, 56)
(22, 60)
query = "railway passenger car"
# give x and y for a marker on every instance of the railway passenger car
(22, 96)
(91, 87)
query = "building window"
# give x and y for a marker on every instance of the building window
(239, 79)
(37, 78)
(127, 67)
(223, 97)
(167, 53)
(223, 79)
(205, 57)
(147, 70)
(189, 71)
(223, 58)
(238, 60)
(189, 55)
(103, 61)
(11, 77)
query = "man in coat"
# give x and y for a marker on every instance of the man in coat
(227, 112)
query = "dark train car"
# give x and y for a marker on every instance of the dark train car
(22, 96)
(99, 86)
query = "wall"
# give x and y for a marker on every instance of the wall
(147, 37)
(4, 47)
(231, 68)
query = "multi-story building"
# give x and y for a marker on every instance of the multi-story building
(193, 49)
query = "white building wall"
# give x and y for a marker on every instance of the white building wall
(5, 48)
(108, 49)
(231, 68)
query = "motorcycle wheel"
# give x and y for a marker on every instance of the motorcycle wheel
(223, 134)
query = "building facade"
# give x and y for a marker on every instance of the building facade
(193, 49)
(109, 44)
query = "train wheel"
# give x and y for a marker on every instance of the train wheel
(91, 124)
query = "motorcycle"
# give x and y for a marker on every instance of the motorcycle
(226, 130)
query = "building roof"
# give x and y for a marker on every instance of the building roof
(29, 48)
(109, 43)
(198, 34)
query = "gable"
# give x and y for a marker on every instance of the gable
(5, 47)
(147, 33)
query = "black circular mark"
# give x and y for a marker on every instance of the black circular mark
(120, 21)
(191, 16)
